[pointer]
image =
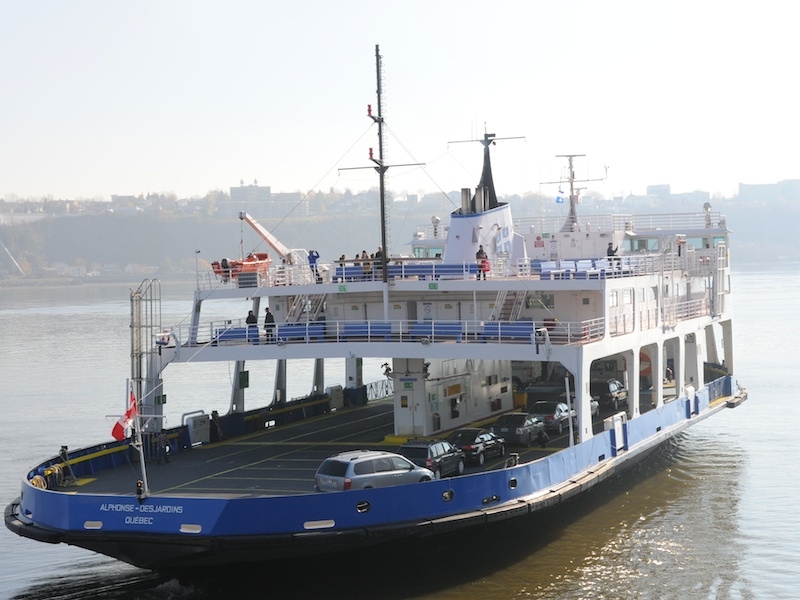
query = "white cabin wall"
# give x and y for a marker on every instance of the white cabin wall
(484, 381)
(493, 229)
(586, 305)
(453, 394)
(398, 311)
(557, 245)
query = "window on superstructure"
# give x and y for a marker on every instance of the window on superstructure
(542, 300)
(613, 299)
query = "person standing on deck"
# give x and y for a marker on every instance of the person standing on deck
(252, 327)
(163, 444)
(483, 262)
(313, 257)
(611, 253)
(269, 326)
(366, 265)
(378, 263)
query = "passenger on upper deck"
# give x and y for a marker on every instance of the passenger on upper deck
(313, 257)
(269, 326)
(252, 327)
(366, 265)
(483, 262)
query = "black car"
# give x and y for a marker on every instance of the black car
(478, 444)
(610, 393)
(518, 428)
(440, 456)
(554, 415)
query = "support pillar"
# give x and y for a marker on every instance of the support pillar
(634, 376)
(353, 372)
(318, 386)
(583, 398)
(727, 346)
(237, 391)
(280, 382)
(658, 368)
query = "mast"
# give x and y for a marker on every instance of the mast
(381, 168)
(571, 224)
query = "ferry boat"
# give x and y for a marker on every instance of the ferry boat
(490, 312)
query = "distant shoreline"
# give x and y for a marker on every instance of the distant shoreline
(29, 282)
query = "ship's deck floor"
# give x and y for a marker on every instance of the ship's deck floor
(280, 460)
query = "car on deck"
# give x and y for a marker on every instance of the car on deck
(554, 415)
(362, 469)
(478, 444)
(440, 456)
(609, 393)
(518, 428)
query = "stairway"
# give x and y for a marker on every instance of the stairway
(305, 308)
(508, 305)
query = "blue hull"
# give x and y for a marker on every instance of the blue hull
(176, 531)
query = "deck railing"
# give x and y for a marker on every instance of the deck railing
(237, 332)
(629, 265)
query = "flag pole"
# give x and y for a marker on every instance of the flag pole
(143, 491)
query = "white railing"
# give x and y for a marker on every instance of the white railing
(629, 265)
(228, 332)
(236, 332)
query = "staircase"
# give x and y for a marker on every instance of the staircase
(305, 308)
(508, 305)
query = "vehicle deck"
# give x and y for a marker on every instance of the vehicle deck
(277, 461)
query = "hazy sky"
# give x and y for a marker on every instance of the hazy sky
(102, 98)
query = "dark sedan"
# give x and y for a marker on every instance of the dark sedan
(478, 444)
(555, 415)
(518, 428)
(610, 393)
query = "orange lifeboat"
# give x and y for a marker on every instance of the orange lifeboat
(255, 263)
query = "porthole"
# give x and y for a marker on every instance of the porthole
(363, 507)
(512, 483)
(448, 495)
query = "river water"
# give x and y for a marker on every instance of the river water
(712, 514)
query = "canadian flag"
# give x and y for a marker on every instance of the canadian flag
(118, 432)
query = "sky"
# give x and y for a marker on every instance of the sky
(189, 96)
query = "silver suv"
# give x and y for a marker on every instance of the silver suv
(362, 469)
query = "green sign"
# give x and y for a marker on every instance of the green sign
(433, 286)
(244, 380)
(408, 385)
(342, 288)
